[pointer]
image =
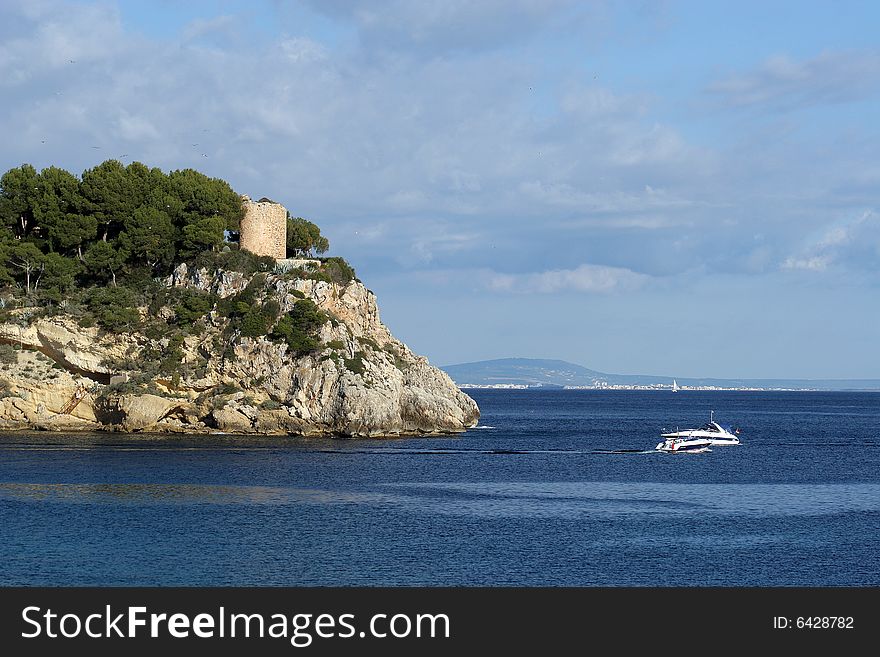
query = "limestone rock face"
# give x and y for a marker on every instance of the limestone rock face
(65, 342)
(360, 382)
(139, 412)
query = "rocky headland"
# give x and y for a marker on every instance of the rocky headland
(354, 379)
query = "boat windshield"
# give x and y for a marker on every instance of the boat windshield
(714, 427)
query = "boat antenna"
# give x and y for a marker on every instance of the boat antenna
(711, 416)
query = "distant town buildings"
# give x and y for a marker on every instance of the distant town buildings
(602, 385)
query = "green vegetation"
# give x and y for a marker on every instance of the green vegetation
(57, 231)
(399, 362)
(5, 390)
(304, 238)
(338, 270)
(257, 321)
(299, 327)
(8, 354)
(369, 342)
(192, 305)
(227, 389)
(332, 270)
(250, 312)
(114, 308)
(234, 260)
(96, 247)
(355, 364)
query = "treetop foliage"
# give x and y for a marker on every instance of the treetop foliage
(111, 221)
(93, 246)
(304, 238)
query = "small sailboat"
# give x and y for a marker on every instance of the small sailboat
(674, 386)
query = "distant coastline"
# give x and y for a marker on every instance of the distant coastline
(545, 374)
(659, 388)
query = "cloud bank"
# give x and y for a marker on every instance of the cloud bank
(550, 146)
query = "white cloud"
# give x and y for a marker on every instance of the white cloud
(478, 160)
(57, 40)
(331, 131)
(585, 278)
(605, 202)
(135, 128)
(659, 144)
(813, 263)
(852, 243)
(785, 83)
(302, 50)
(433, 243)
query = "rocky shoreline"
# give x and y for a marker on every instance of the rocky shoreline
(360, 381)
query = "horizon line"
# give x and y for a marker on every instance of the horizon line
(666, 376)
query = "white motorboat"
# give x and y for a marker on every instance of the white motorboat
(713, 432)
(684, 445)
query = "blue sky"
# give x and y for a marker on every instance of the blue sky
(674, 188)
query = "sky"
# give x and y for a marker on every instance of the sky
(670, 188)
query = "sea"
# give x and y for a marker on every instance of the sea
(553, 488)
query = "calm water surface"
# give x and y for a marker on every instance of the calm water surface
(554, 488)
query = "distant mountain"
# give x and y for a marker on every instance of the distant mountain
(538, 372)
(523, 371)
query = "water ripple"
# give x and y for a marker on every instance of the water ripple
(493, 499)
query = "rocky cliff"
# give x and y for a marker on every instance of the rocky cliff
(355, 380)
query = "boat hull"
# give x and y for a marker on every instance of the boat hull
(716, 437)
(688, 435)
(691, 440)
(681, 446)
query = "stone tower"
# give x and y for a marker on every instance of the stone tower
(264, 228)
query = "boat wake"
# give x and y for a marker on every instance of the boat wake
(464, 451)
(624, 451)
(442, 451)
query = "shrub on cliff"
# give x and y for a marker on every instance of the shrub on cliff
(338, 270)
(257, 321)
(114, 308)
(355, 364)
(192, 305)
(8, 354)
(299, 327)
(6, 390)
(234, 260)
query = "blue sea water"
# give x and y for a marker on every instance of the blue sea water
(556, 488)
